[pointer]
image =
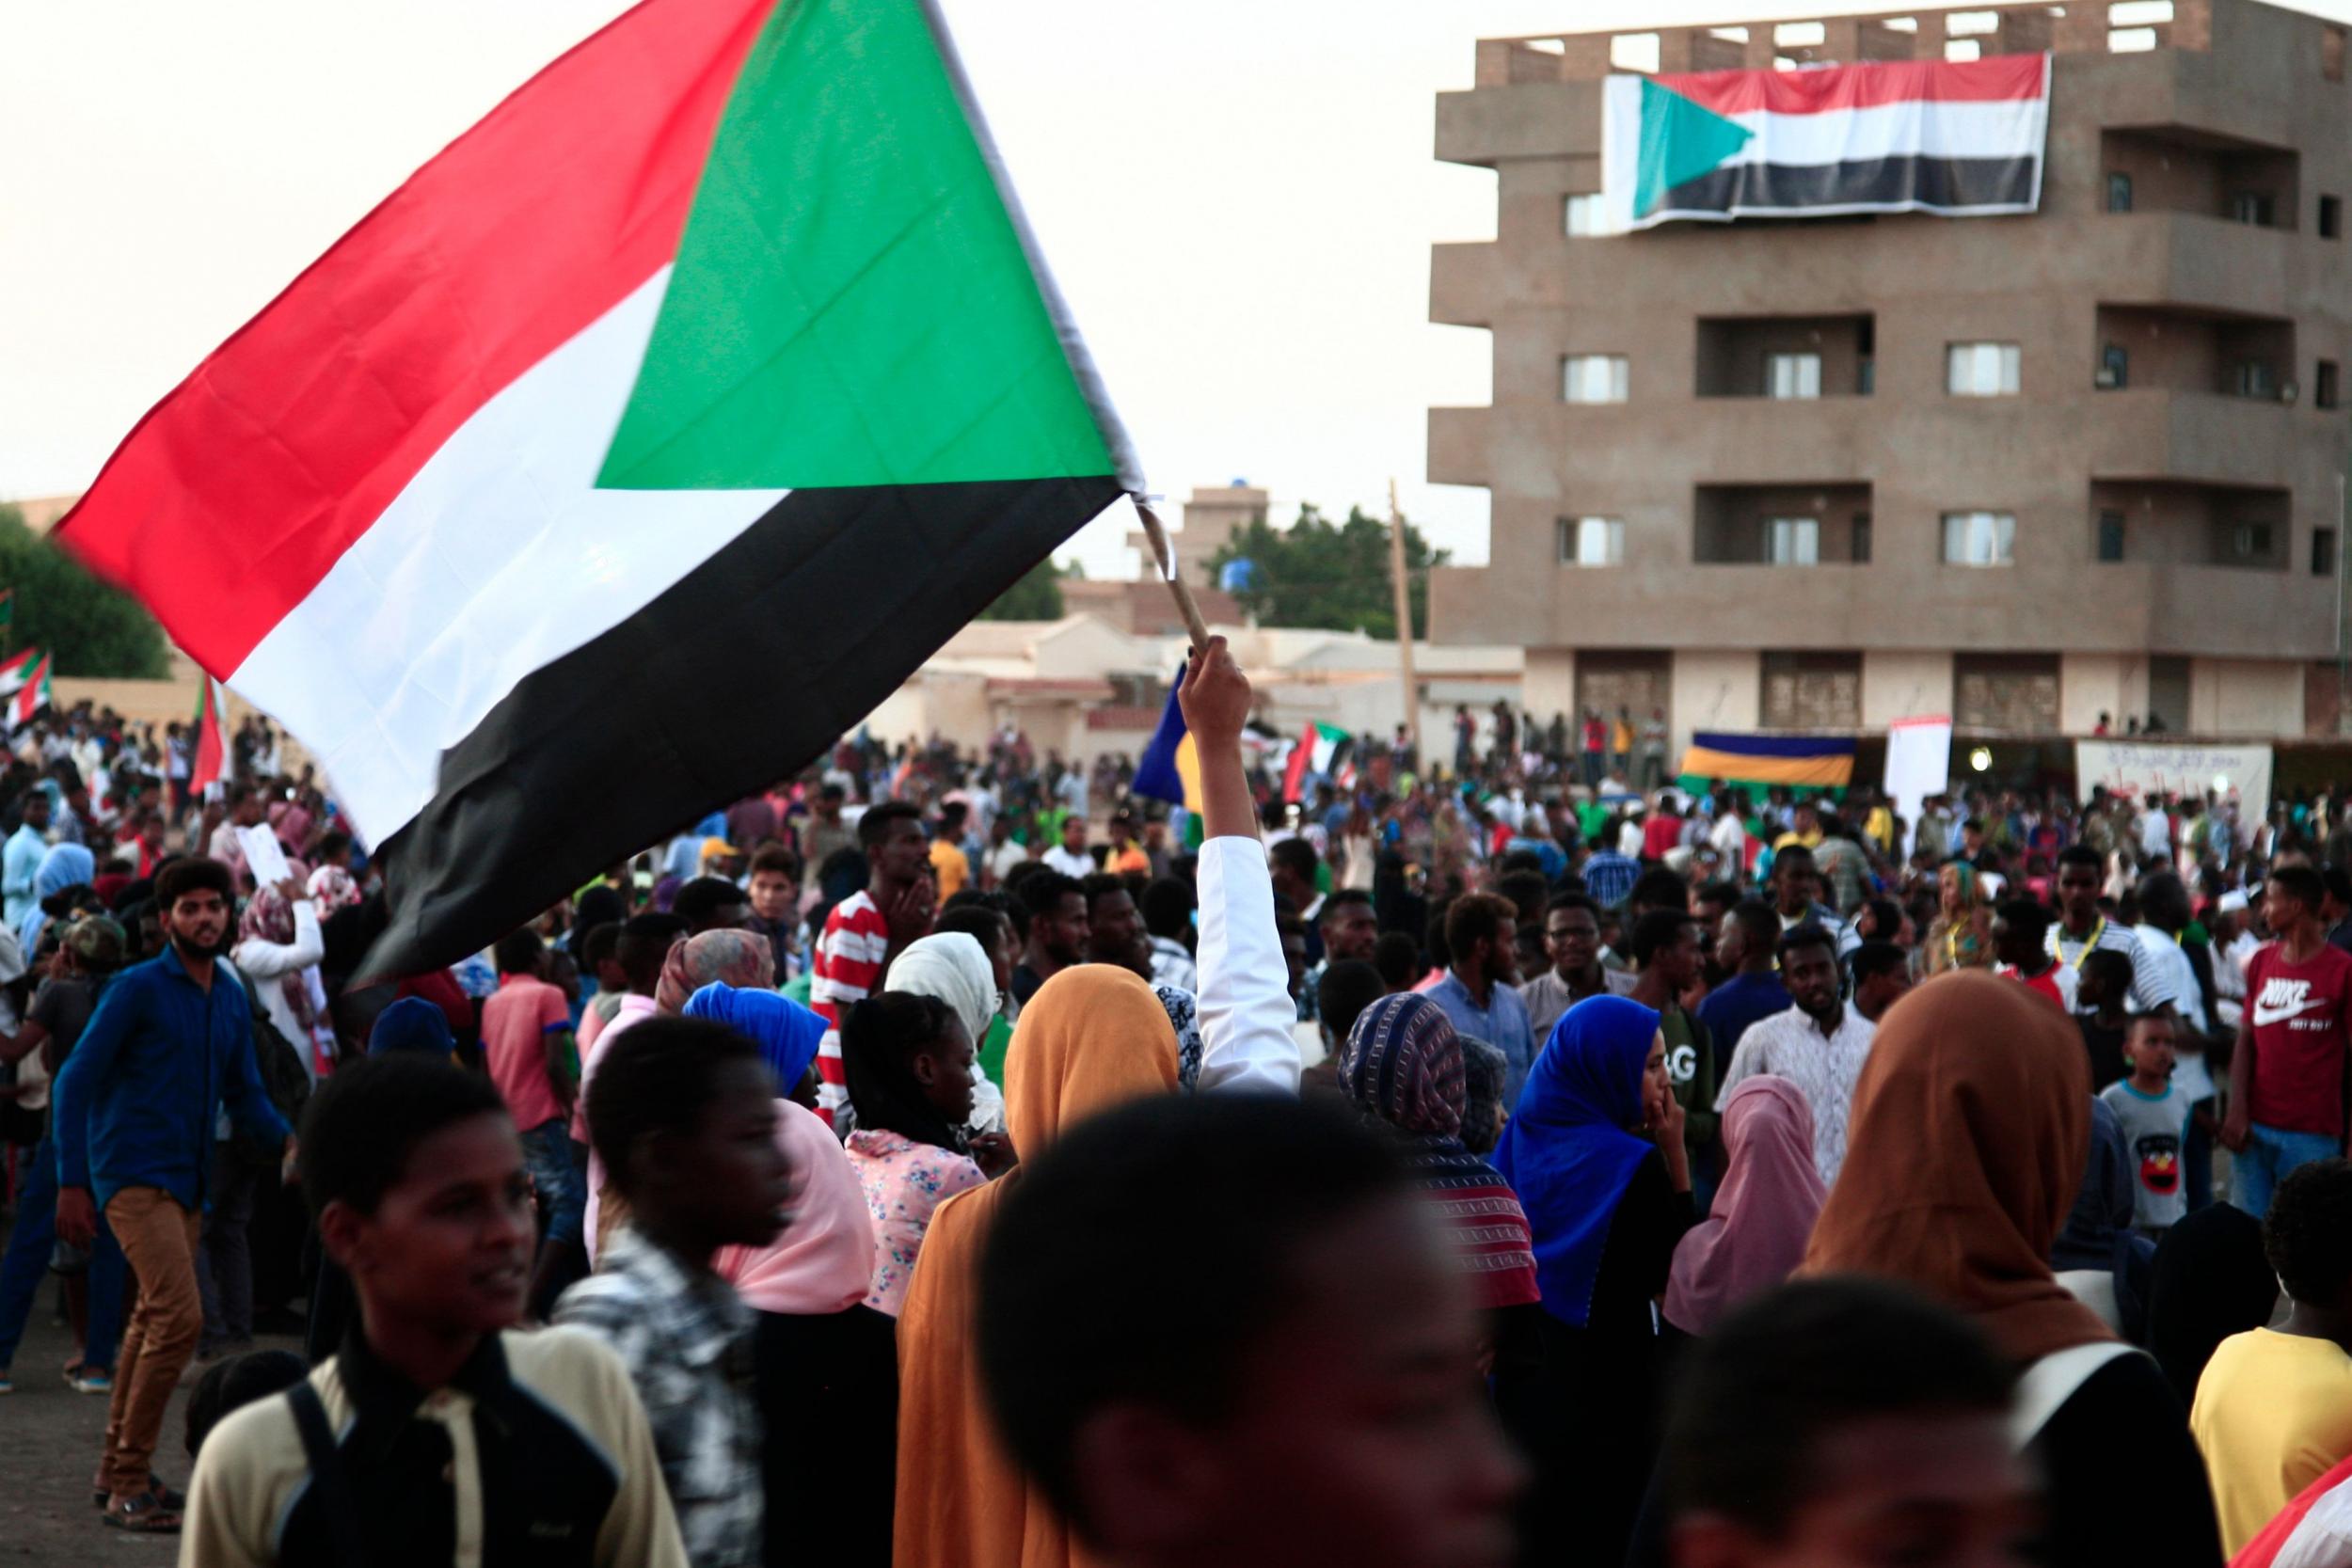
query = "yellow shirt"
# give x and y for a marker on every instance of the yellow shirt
(1129, 862)
(950, 869)
(1810, 840)
(2273, 1414)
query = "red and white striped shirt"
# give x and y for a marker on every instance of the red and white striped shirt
(847, 969)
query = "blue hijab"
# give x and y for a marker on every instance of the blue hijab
(63, 866)
(786, 1033)
(1568, 1150)
(412, 1023)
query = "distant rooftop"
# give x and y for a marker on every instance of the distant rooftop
(1950, 33)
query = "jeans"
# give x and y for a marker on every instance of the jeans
(29, 1247)
(160, 1239)
(2270, 1153)
(224, 1280)
(1594, 763)
(563, 1188)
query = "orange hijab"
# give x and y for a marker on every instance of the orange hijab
(1093, 1038)
(1970, 1126)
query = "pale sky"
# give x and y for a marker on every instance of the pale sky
(1255, 177)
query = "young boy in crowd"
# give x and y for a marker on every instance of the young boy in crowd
(683, 1115)
(2274, 1407)
(510, 1448)
(1221, 1331)
(1842, 1422)
(2153, 1112)
(2102, 986)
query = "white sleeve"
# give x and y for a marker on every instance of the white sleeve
(1246, 1008)
(1742, 1065)
(267, 961)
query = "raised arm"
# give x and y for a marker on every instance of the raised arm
(269, 960)
(1246, 1011)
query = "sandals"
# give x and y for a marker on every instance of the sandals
(173, 1502)
(145, 1514)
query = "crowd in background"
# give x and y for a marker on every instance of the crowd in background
(2067, 1077)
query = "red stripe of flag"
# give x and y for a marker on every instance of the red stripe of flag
(210, 754)
(231, 500)
(2000, 79)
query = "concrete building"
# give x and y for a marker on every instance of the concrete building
(1213, 516)
(1826, 474)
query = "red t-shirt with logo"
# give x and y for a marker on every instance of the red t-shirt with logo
(2301, 1017)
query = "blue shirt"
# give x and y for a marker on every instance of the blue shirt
(1742, 1000)
(137, 1100)
(20, 864)
(1502, 1023)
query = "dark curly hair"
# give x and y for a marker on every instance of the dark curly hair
(658, 1077)
(2308, 1237)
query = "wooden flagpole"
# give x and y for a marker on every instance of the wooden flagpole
(1176, 584)
(1403, 622)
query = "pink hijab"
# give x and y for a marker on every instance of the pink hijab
(1764, 1214)
(823, 1262)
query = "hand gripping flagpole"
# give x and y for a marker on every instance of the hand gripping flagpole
(1176, 585)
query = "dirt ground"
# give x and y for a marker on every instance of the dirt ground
(48, 1443)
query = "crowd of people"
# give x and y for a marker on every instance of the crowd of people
(941, 1159)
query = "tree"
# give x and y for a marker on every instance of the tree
(88, 628)
(1037, 597)
(1321, 573)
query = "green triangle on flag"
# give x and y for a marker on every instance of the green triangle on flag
(1681, 141)
(852, 303)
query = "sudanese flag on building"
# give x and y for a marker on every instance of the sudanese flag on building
(636, 448)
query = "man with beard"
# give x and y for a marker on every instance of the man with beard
(168, 1047)
(1479, 992)
(1114, 929)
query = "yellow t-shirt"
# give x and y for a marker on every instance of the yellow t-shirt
(2273, 1414)
(950, 869)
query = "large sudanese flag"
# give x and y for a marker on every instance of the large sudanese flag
(636, 448)
(1959, 139)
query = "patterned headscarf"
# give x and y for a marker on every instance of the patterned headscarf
(1403, 1063)
(269, 918)
(333, 887)
(741, 958)
(1184, 1016)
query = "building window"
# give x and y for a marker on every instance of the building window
(1593, 378)
(2251, 378)
(1981, 370)
(2323, 552)
(1979, 538)
(1583, 215)
(1792, 541)
(2326, 389)
(2017, 693)
(1862, 539)
(2111, 536)
(2118, 193)
(1792, 375)
(2330, 218)
(2250, 540)
(1811, 690)
(2115, 368)
(2251, 207)
(1592, 540)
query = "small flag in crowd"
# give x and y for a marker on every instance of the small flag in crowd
(1316, 753)
(212, 752)
(30, 699)
(16, 670)
(1961, 138)
(1169, 768)
(634, 450)
(7, 608)
(1803, 762)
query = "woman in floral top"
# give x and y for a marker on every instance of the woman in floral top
(908, 1063)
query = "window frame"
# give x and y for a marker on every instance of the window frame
(1569, 535)
(2008, 360)
(1585, 201)
(1620, 376)
(2119, 180)
(2002, 529)
(1802, 360)
(1804, 532)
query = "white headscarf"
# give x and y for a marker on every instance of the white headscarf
(954, 967)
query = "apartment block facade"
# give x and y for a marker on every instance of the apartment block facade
(1823, 474)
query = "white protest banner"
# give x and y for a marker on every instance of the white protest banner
(264, 856)
(1918, 764)
(2135, 769)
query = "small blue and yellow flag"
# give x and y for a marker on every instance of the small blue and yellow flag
(1169, 768)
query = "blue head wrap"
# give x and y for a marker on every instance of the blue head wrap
(1569, 1151)
(786, 1033)
(411, 1023)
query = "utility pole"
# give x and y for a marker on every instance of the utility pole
(1404, 624)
